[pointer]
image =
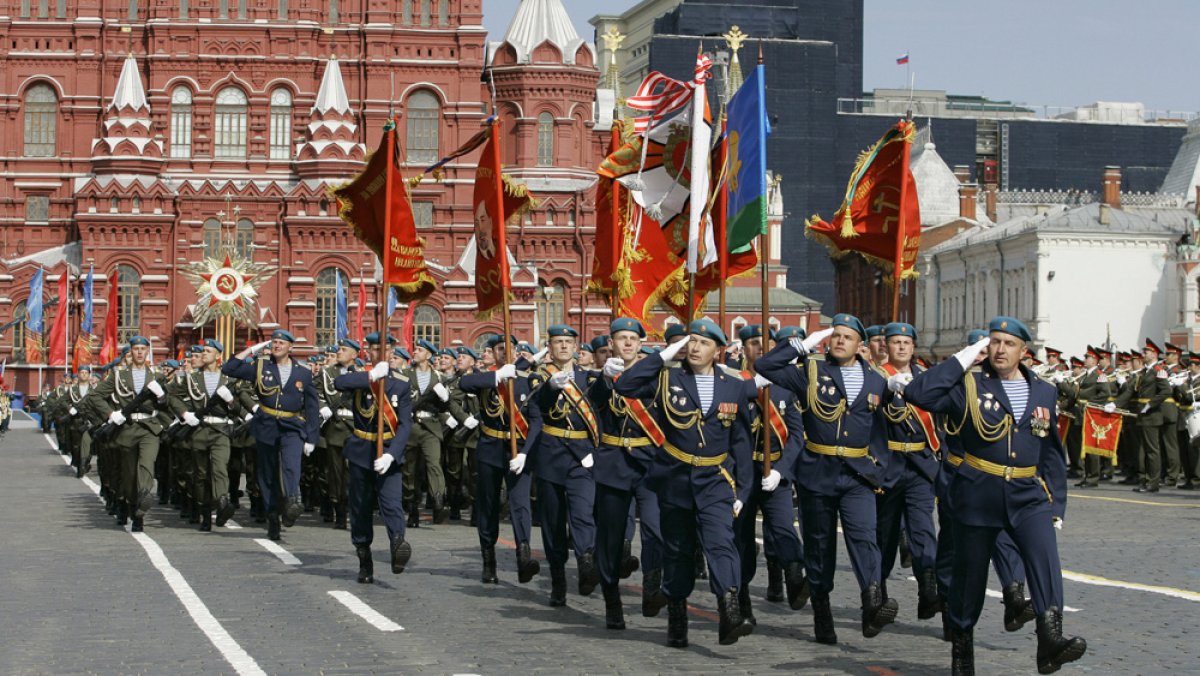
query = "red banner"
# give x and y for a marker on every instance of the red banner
(879, 218)
(1101, 432)
(1064, 426)
(82, 353)
(57, 347)
(494, 202)
(606, 263)
(108, 350)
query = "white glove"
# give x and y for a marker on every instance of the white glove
(1121, 380)
(808, 344)
(117, 418)
(224, 393)
(771, 481)
(379, 371)
(72, 411)
(154, 387)
(260, 347)
(326, 413)
(737, 507)
(383, 463)
(1103, 378)
(255, 409)
(1058, 523)
(541, 354)
(614, 367)
(1059, 376)
(470, 423)
(968, 354)
(441, 391)
(668, 353)
(559, 380)
(505, 372)
(761, 381)
(1161, 375)
(1178, 379)
(898, 382)
(517, 464)
(309, 448)
(191, 419)
(588, 461)
(1145, 408)
(1110, 407)
(451, 423)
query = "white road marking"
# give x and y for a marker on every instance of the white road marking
(1133, 586)
(53, 443)
(233, 525)
(281, 553)
(364, 611)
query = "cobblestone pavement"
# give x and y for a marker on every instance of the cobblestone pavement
(81, 595)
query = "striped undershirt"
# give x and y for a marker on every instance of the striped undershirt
(1018, 395)
(423, 378)
(139, 379)
(853, 377)
(285, 371)
(704, 385)
(211, 380)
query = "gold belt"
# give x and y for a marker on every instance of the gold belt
(758, 456)
(955, 460)
(495, 434)
(694, 460)
(1007, 471)
(906, 446)
(565, 434)
(839, 451)
(372, 436)
(625, 442)
(277, 413)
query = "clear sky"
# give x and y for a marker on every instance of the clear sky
(1037, 52)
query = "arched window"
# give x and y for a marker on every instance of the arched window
(545, 136)
(424, 12)
(424, 116)
(333, 11)
(281, 124)
(212, 238)
(444, 12)
(406, 12)
(18, 333)
(243, 242)
(427, 324)
(230, 123)
(181, 122)
(327, 304)
(550, 303)
(283, 9)
(41, 120)
(129, 303)
(482, 341)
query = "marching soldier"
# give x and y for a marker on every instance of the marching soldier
(1172, 418)
(1091, 388)
(337, 426)
(1013, 479)
(80, 421)
(703, 477)
(286, 424)
(876, 345)
(376, 480)
(128, 398)
(459, 447)
(1189, 395)
(430, 403)
(493, 460)
(1148, 392)
(845, 460)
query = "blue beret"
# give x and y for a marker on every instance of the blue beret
(599, 342)
(314, 359)
(448, 352)
(331, 349)
(498, 338)
(468, 352)
(352, 344)
(526, 347)
(196, 349)
(403, 353)
(586, 347)
(674, 330)
(875, 330)
(359, 363)
(707, 328)
(1011, 326)
(560, 331)
(283, 334)
(976, 335)
(627, 324)
(754, 331)
(125, 348)
(139, 340)
(900, 329)
(427, 346)
(214, 344)
(168, 364)
(84, 367)
(789, 332)
(646, 349)
(850, 322)
(372, 338)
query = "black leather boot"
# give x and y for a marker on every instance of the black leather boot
(653, 598)
(962, 653)
(1053, 650)
(292, 511)
(614, 614)
(1017, 609)
(527, 566)
(138, 525)
(339, 516)
(677, 623)
(272, 526)
(455, 506)
(798, 590)
(701, 565)
(774, 581)
(489, 566)
(929, 603)
(194, 512)
(401, 553)
(326, 511)
(414, 514)
(366, 566)
(206, 520)
(589, 575)
(439, 509)
(877, 612)
(823, 629)
(558, 586)
(629, 562)
(122, 514)
(733, 626)
(745, 607)
(225, 510)
(905, 551)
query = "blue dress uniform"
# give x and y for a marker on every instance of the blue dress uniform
(561, 463)
(623, 457)
(367, 487)
(491, 461)
(914, 438)
(287, 418)
(703, 468)
(843, 464)
(1012, 479)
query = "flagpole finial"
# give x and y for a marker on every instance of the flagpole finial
(760, 52)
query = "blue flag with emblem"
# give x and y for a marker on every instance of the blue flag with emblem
(393, 301)
(342, 329)
(748, 129)
(86, 325)
(33, 307)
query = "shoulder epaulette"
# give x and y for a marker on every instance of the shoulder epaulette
(730, 371)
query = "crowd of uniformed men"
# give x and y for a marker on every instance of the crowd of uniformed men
(683, 443)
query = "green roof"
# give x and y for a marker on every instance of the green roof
(743, 297)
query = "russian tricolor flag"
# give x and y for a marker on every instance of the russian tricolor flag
(902, 59)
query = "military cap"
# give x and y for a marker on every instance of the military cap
(196, 349)
(626, 324)
(1173, 348)
(498, 338)
(447, 352)
(976, 335)
(753, 331)
(874, 330)
(1151, 345)
(789, 332)
(1194, 356)
(283, 334)
(314, 358)
(900, 329)
(468, 352)
(331, 349)
(125, 348)
(372, 338)
(168, 364)
(84, 367)
(214, 344)
(402, 353)
(427, 346)
(560, 331)
(1101, 352)
(707, 328)
(359, 362)
(674, 330)
(599, 342)
(1036, 361)
(586, 347)
(1052, 351)
(1010, 325)
(139, 340)
(1076, 361)
(851, 322)
(1090, 352)
(352, 344)
(525, 347)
